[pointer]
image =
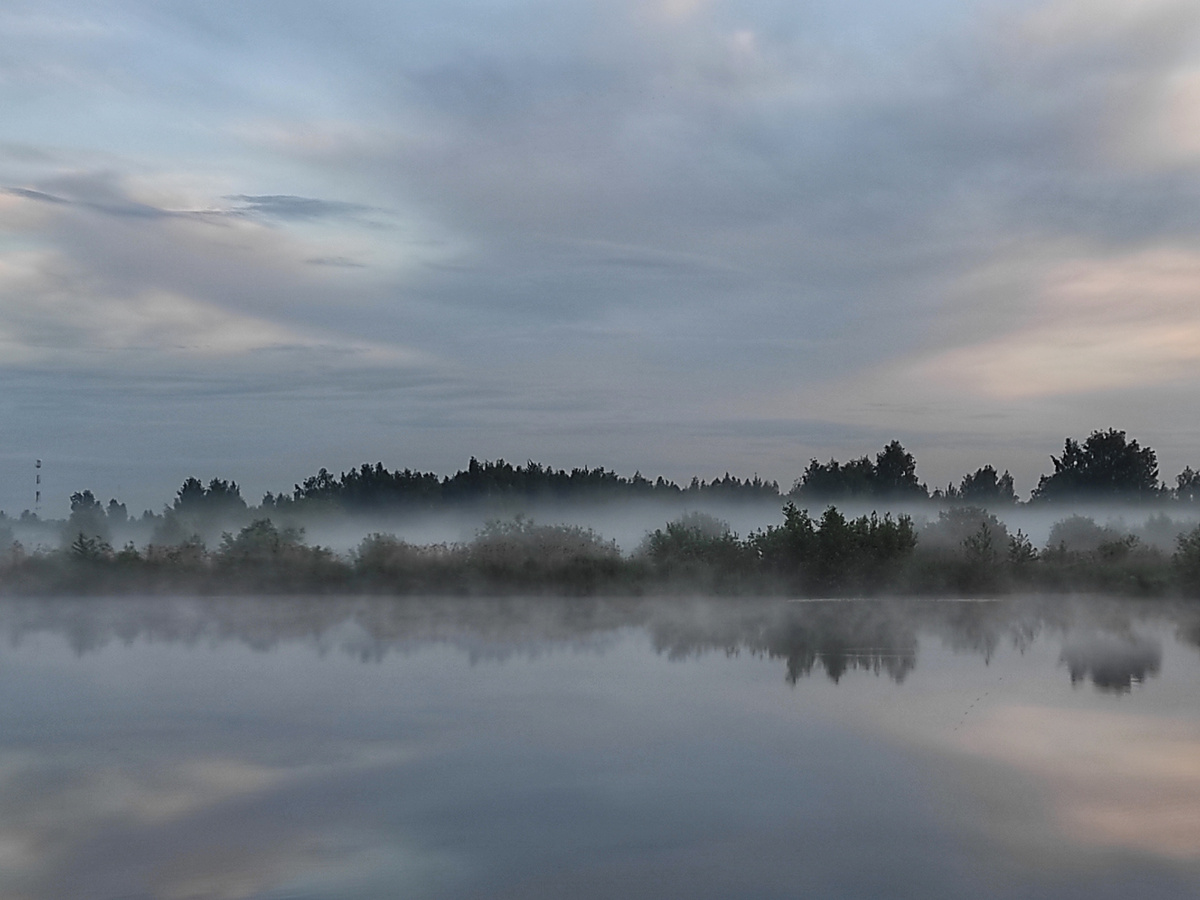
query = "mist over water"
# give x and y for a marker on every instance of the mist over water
(637, 747)
(625, 521)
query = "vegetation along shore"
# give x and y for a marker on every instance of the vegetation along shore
(951, 541)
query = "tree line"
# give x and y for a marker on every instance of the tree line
(1106, 466)
(371, 487)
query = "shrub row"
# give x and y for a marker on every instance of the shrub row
(966, 551)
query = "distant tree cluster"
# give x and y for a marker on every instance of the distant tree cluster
(835, 555)
(374, 487)
(1105, 466)
(983, 487)
(200, 509)
(892, 476)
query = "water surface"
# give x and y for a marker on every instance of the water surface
(321, 748)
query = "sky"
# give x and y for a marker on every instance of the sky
(248, 240)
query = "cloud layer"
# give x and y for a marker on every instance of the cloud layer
(583, 231)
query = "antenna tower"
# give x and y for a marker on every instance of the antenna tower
(37, 490)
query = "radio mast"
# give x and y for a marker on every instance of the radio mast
(37, 490)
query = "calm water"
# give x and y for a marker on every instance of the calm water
(311, 749)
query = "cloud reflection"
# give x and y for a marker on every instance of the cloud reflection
(1118, 780)
(177, 825)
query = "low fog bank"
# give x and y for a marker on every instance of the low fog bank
(627, 522)
(1158, 528)
(1154, 525)
(1111, 644)
(666, 546)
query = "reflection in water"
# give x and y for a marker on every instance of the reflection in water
(1114, 779)
(835, 636)
(342, 748)
(870, 636)
(1113, 663)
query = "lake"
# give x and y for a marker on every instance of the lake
(313, 748)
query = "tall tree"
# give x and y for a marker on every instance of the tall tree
(1187, 485)
(896, 473)
(984, 487)
(835, 481)
(892, 476)
(1105, 466)
(86, 519)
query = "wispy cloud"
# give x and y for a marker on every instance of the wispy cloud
(283, 206)
(161, 281)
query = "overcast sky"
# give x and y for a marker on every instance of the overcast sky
(251, 239)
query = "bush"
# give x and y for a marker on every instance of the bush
(699, 552)
(1081, 534)
(1084, 556)
(1186, 562)
(837, 555)
(522, 554)
(273, 559)
(966, 550)
(383, 560)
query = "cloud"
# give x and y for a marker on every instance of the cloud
(34, 195)
(61, 817)
(289, 207)
(805, 169)
(94, 291)
(97, 192)
(338, 261)
(763, 212)
(1096, 322)
(677, 10)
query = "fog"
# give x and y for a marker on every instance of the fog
(675, 544)
(627, 522)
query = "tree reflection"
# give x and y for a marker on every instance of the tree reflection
(1113, 664)
(834, 637)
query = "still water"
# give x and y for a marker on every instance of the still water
(320, 748)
